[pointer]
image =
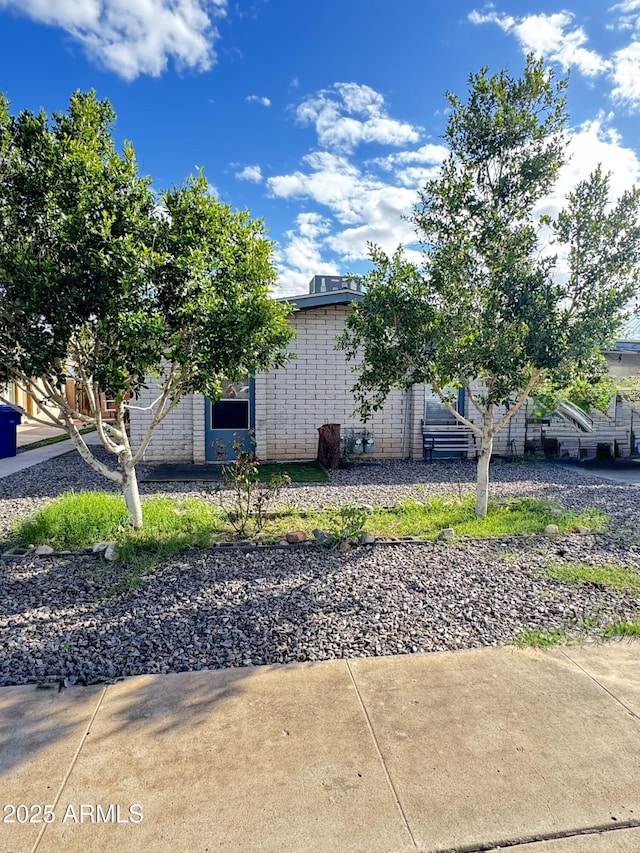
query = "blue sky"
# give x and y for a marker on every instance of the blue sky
(323, 118)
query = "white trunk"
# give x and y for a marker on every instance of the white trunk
(482, 486)
(131, 494)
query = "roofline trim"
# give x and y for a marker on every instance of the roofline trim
(320, 300)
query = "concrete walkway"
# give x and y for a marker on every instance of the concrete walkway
(537, 752)
(29, 458)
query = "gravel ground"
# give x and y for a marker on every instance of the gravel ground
(275, 606)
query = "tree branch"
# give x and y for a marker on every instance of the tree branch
(521, 399)
(160, 415)
(454, 412)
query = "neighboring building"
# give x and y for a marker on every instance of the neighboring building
(283, 408)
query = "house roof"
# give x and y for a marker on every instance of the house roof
(629, 339)
(321, 300)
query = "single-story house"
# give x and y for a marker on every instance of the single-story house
(284, 408)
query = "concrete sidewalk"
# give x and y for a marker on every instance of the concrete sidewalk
(29, 458)
(478, 750)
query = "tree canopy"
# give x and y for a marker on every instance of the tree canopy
(490, 301)
(102, 278)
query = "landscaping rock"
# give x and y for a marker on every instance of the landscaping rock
(583, 530)
(294, 537)
(99, 547)
(555, 513)
(447, 533)
(110, 552)
(322, 537)
(68, 617)
(551, 529)
(367, 539)
(44, 550)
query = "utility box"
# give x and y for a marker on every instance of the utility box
(9, 420)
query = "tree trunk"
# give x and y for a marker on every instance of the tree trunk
(329, 446)
(131, 494)
(482, 485)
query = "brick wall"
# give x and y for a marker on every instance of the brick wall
(179, 438)
(314, 389)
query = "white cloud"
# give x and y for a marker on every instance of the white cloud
(551, 36)
(359, 203)
(592, 144)
(300, 257)
(382, 222)
(404, 164)
(133, 37)
(626, 75)
(331, 180)
(250, 173)
(348, 114)
(360, 207)
(258, 99)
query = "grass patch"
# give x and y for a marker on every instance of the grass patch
(610, 576)
(299, 472)
(54, 439)
(540, 638)
(170, 526)
(519, 516)
(426, 520)
(78, 520)
(74, 520)
(622, 629)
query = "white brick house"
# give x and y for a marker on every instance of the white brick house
(285, 407)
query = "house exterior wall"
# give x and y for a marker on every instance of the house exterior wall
(180, 437)
(291, 403)
(315, 389)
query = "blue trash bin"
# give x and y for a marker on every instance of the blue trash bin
(9, 420)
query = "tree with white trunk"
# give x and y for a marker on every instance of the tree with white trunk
(104, 280)
(490, 306)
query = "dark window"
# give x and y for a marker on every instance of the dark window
(230, 414)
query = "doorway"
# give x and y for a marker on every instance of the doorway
(230, 421)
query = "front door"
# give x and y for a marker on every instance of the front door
(230, 421)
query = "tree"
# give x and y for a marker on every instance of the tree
(101, 278)
(488, 302)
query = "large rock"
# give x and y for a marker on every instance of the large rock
(295, 536)
(322, 537)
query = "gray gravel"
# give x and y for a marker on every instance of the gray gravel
(212, 609)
